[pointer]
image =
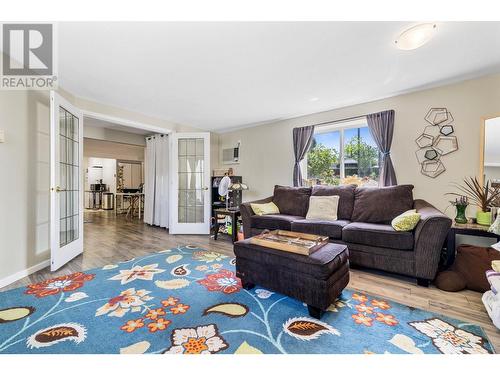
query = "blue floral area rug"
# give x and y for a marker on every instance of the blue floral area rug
(189, 301)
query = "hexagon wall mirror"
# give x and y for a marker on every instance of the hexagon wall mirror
(425, 153)
(425, 140)
(436, 141)
(446, 144)
(447, 130)
(439, 116)
(431, 154)
(432, 168)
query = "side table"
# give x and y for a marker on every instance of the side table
(464, 229)
(232, 212)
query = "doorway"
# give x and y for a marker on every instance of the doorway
(117, 165)
(113, 173)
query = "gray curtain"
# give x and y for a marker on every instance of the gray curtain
(381, 127)
(302, 139)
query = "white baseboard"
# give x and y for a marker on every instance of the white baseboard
(19, 275)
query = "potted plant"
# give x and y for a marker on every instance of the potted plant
(460, 204)
(480, 195)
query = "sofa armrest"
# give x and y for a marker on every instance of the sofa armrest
(246, 212)
(430, 234)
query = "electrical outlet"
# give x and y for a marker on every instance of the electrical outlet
(2, 136)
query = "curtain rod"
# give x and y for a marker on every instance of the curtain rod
(341, 120)
(347, 119)
(154, 136)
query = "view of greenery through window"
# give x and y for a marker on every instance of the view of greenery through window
(360, 157)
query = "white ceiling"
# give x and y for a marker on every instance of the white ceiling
(97, 123)
(217, 76)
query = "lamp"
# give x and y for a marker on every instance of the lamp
(416, 36)
(238, 187)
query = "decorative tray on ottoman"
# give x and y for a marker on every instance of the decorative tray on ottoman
(293, 242)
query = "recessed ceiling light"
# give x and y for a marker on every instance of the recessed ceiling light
(416, 36)
(315, 99)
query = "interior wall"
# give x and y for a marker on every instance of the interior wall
(24, 191)
(214, 151)
(267, 157)
(113, 135)
(106, 172)
(133, 175)
(112, 150)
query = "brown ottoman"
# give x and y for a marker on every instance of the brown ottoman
(316, 280)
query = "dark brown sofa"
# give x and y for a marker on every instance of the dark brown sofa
(364, 217)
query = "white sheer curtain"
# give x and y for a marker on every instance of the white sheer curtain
(156, 181)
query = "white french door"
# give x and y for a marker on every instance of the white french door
(66, 193)
(190, 192)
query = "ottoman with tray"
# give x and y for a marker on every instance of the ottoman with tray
(317, 279)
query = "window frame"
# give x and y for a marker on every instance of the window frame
(339, 126)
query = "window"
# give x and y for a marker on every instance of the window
(343, 153)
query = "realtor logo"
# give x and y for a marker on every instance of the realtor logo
(28, 56)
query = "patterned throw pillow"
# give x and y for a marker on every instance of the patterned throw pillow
(406, 222)
(323, 207)
(264, 208)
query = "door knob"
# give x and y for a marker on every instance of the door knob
(205, 188)
(58, 189)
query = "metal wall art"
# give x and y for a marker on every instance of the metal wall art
(436, 141)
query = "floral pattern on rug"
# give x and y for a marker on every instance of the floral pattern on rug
(189, 301)
(59, 284)
(198, 340)
(450, 339)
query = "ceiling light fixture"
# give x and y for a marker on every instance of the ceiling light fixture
(315, 99)
(416, 36)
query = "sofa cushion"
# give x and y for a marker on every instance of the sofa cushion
(292, 200)
(321, 264)
(346, 198)
(272, 222)
(264, 208)
(381, 205)
(332, 229)
(323, 208)
(380, 235)
(406, 222)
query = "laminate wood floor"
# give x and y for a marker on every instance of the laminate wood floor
(109, 239)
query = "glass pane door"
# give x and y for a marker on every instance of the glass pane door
(191, 169)
(190, 203)
(66, 198)
(69, 179)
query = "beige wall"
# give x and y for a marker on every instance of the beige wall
(112, 150)
(267, 155)
(112, 135)
(24, 180)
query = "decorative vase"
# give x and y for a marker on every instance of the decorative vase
(461, 218)
(483, 218)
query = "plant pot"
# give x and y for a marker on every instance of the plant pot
(483, 218)
(461, 218)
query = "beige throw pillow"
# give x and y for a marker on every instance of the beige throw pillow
(264, 208)
(323, 208)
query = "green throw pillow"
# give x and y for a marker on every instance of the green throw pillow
(264, 208)
(406, 222)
